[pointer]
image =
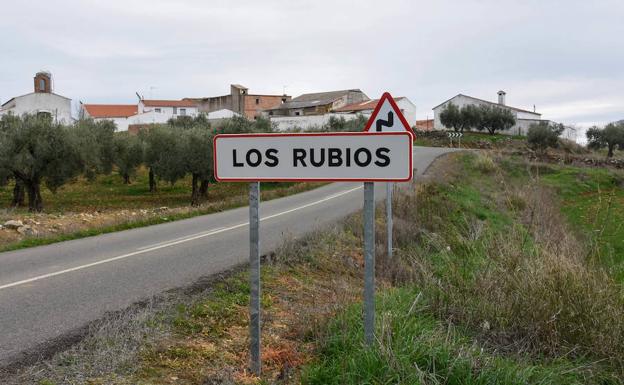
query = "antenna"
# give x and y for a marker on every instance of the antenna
(284, 89)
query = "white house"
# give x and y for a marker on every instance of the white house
(169, 108)
(145, 112)
(524, 118)
(120, 114)
(42, 101)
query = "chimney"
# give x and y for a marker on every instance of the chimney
(501, 97)
(43, 82)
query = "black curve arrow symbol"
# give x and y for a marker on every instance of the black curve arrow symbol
(388, 123)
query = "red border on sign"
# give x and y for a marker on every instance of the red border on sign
(410, 144)
(373, 117)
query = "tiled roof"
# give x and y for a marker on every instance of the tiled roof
(111, 110)
(168, 103)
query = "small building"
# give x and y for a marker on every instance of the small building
(120, 114)
(408, 109)
(240, 101)
(424, 125)
(524, 118)
(319, 103)
(168, 108)
(43, 101)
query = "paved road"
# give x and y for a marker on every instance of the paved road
(48, 291)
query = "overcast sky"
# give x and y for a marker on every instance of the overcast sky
(564, 57)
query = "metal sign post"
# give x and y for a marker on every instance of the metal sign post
(254, 276)
(389, 191)
(369, 263)
(382, 156)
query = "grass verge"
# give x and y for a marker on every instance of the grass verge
(488, 285)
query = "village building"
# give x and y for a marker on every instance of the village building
(43, 101)
(309, 111)
(120, 114)
(524, 118)
(366, 108)
(147, 111)
(240, 102)
(318, 103)
(424, 125)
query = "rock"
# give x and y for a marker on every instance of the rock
(13, 224)
(26, 230)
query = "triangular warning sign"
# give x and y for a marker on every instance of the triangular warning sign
(387, 117)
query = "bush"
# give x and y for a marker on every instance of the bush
(544, 135)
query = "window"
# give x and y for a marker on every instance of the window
(182, 111)
(297, 113)
(42, 85)
(175, 110)
(157, 110)
(257, 100)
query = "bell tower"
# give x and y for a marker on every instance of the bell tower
(43, 82)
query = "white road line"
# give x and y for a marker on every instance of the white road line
(178, 239)
(172, 242)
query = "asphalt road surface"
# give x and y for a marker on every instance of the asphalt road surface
(49, 291)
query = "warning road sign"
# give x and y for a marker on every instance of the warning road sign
(387, 117)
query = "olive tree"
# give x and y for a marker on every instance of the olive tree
(493, 118)
(544, 134)
(460, 119)
(127, 154)
(94, 142)
(611, 137)
(36, 151)
(164, 154)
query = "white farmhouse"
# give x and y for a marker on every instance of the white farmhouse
(42, 101)
(524, 118)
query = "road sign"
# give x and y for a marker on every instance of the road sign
(344, 156)
(387, 117)
(454, 134)
(338, 156)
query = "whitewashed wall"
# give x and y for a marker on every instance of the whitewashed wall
(285, 123)
(58, 106)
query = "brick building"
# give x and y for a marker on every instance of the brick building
(240, 101)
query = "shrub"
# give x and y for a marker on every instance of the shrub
(544, 135)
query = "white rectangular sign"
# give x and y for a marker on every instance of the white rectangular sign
(344, 156)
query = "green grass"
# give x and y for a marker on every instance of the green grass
(593, 201)
(108, 192)
(502, 297)
(416, 348)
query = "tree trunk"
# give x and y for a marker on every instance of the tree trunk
(18, 193)
(126, 179)
(152, 181)
(195, 191)
(203, 189)
(610, 153)
(35, 203)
